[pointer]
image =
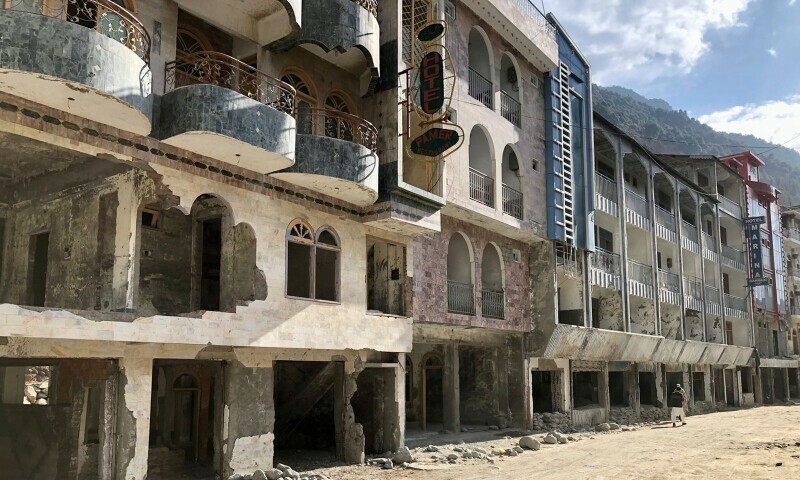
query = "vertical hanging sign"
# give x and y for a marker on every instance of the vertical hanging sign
(752, 227)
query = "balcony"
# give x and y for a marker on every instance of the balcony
(669, 287)
(481, 89)
(713, 301)
(605, 271)
(606, 194)
(693, 292)
(510, 109)
(460, 298)
(730, 206)
(689, 239)
(217, 106)
(523, 26)
(792, 234)
(709, 247)
(735, 306)
(335, 156)
(91, 59)
(665, 225)
(640, 279)
(512, 202)
(733, 258)
(637, 211)
(493, 304)
(481, 187)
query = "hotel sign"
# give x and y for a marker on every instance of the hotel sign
(752, 227)
(431, 88)
(435, 142)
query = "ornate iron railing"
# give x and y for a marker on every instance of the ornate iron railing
(689, 231)
(606, 187)
(370, 5)
(537, 16)
(712, 294)
(103, 16)
(736, 303)
(669, 281)
(693, 287)
(481, 187)
(732, 254)
(512, 202)
(493, 304)
(510, 109)
(709, 243)
(606, 261)
(481, 88)
(665, 219)
(730, 205)
(640, 272)
(214, 68)
(335, 124)
(636, 203)
(460, 298)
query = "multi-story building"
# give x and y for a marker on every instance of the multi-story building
(790, 219)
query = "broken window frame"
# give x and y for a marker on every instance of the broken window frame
(301, 233)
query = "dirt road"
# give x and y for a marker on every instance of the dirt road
(745, 444)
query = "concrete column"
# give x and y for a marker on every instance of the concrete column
(635, 394)
(604, 394)
(787, 390)
(126, 248)
(249, 421)
(395, 410)
(350, 439)
(133, 418)
(451, 394)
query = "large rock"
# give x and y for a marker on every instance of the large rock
(613, 426)
(259, 475)
(530, 443)
(550, 439)
(273, 474)
(403, 455)
(602, 427)
(30, 393)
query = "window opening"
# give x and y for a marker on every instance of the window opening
(312, 264)
(37, 268)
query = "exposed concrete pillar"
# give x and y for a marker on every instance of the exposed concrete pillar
(248, 418)
(635, 398)
(451, 394)
(605, 394)
(350, 439)
(133, 417)
(126, 248)
(786, 390)
(394, 414)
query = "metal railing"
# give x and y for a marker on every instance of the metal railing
(481, 187)
(712, 294)
(606, 187)
(736, 303)
(730, 205)
(669, 281)
(510, 109)
(640, 272)
(512, 202)
(214, 68)
(689, 231)
(460, 298)
(665, 219)
(537, 16)
(103, 16)
(606, 261)
(732, 254)
(693, 287)
(370, 5)
(480, 88)
(493, 304)
(709, 243)
(636, 203)
(335, 124)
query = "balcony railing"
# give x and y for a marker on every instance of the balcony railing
(689, 231)
(103, 16)
(492, 304)
(636, 203)
(510, 109)
(736, 303)
(460, 298)
(480, 88)
(693, 287)
(709, 243)
(606, 187)
(335, 124)
(370, 5)
(730, 205)
(214, 68)
(669, 281)
(537, 16)
(712, 294)
(665, 219)
(606, 261)
(640, 272)
(512, 202)
(481, 187)
(732, 254)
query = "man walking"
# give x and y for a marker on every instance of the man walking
(676, 401)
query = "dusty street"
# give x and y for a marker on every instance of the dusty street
(746, 444)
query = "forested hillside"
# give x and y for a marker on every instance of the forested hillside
(665, 130)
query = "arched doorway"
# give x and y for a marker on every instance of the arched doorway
(460, 296)
(480, 69)
(492, 296)
(481, 167)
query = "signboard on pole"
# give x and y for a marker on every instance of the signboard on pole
(752, 227)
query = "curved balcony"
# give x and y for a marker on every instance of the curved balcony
(222, 108)
(335, 156)
(90, 59)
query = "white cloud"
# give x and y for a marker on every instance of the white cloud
(791, 2)
(772, 52)
(632, 42)
(777, 121)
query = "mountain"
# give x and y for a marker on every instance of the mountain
(658, 126)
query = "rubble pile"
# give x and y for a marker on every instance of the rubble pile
(280, 472)
(551, 421)
(654, 414)
(36, 393)
(623, 415)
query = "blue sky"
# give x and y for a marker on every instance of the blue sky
(734, 64)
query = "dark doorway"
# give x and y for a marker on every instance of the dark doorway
(766, 386)
(616, 389)
(37, 268)
(699, 386)
(647, 388)
(585, 389)
(542, 387)
(673, 379)
(729, 393)
(719, 386)
(211, 264)
(794, 388)
(432, 392)
(780, 384)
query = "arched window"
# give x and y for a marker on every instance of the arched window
(512, 186)
(312, 263)
(460, 296)
(480, 69)
(305, 101)
(339, 126)
(185, 381)
(510, 99)
(188, 42)
(481, 167)
(492, 281)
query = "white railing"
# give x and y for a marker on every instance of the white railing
(736, 303)
(731, 206)
(510, 109)
(689, 231)
(460, 298)
(732, 254)
(606, 187)
(481, 88)
(712, 294)
(481, 187)
(537, 16)
(709, 243)
(665, 219)
(492, 304)
(512, 202)
(636, 203)
(693, 287)
(669, 281)
(640, 272)
(606, 261)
